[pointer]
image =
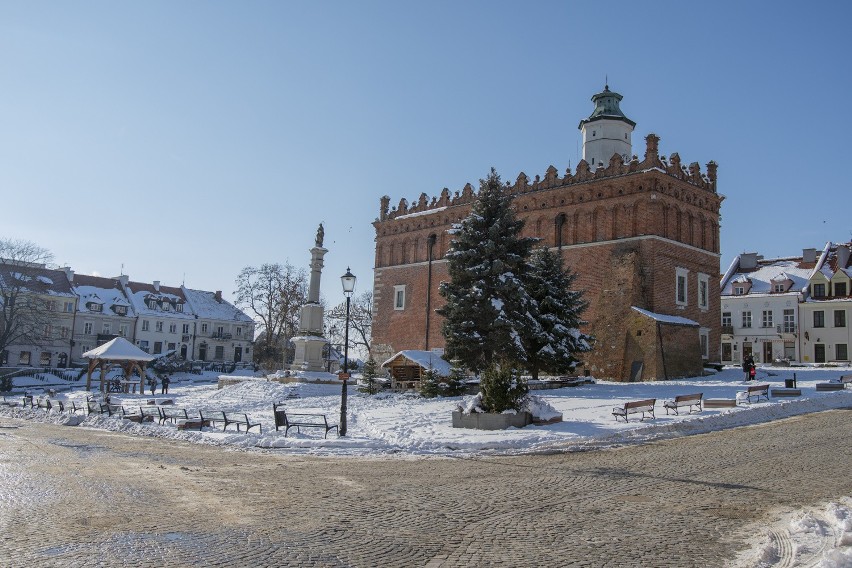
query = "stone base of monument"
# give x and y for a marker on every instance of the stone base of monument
(488, 421)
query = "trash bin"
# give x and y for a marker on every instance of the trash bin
(790, 383)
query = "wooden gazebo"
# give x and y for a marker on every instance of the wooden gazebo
(119, 352)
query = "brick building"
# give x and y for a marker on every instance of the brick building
(638, 233)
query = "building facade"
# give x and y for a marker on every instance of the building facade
(827, 306)
(638, 233)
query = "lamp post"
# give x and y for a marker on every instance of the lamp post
(348, 281)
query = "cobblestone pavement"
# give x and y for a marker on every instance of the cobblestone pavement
(72, 497)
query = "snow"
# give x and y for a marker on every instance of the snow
(663, 318)
(426, 359)
(118, 349)
(406, 424)
(420, 213)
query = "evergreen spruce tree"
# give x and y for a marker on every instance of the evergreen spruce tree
(552, 344)
(455, 384)
(502, 389)
(487, 306)
(430, 384)
(369, 375)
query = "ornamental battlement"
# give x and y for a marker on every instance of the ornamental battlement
(583, 174)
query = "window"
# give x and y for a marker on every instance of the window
(145, 325)
(220, 352)
(726, 319)
(239, 331)
(179, 307)
(790, 350)
(704, 335)
(166, 306)
(63, 332)
(739, 290)
(840, 352)
(840, 288)
(50, 305)
(48, 331)
(703, 291)
(220, 331)
(107, 329)
(819, 318)
(203, 328)
(779, 287)
(87, 328)
(767, 318)
(94, 307)
(143, 345)
(789, 321)
(121, 310)
(25, 358)
(122, 330)
(399, 297)
(44, 359)
(151, 303)
(159, 327)
(839, 318)
(172, 328)
(818, 290)
(171, 347)
(186, 328)
(158, 347)
(680, 284)
(69, 306)
(746, 319)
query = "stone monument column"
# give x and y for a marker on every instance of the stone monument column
(310, 341)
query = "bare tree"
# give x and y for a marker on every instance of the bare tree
(274, 295)
(23, 310)
(360, 323)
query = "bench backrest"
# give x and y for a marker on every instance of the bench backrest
(211, 415)
(846, 379)
(688, 397)
(125, 411)
(235, 417)
(174, 412)
(149, 411)
(758, 388)
(637, 404)
(304, 418)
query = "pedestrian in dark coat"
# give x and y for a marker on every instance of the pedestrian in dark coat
(152, 382)
(165, 382)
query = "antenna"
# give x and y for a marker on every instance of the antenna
(183, 281)
(122, 269)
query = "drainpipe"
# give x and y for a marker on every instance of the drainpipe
(662, 352)
(430, 244)
(560, 221)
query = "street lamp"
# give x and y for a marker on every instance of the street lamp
(348, 281)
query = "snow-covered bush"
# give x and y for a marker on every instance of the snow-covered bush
(502, 388)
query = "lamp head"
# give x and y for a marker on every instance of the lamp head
(348, 281)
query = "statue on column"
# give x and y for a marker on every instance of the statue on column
(320, 235)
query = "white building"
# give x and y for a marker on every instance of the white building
(827, 306)
(760, 305)
(222, 332)
(103, 312)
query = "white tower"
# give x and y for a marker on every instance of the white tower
(607, 131)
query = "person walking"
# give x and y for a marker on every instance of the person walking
(165, 382)
(152, 382)
(748, 367)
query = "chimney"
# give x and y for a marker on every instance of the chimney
(124, 279)
(68, 273)
(808, 255)
(748, 261)
(218, 296)
(157, 285)
(842, 256)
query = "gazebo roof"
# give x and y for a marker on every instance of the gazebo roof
(119, 349)
(423, 359)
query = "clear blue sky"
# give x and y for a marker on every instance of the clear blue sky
(186, 140)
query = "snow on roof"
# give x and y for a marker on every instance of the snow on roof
(663, 318)
(420, 213)
(138, 292)
(119, 349)
(206, 305)
(767, 272)
(425, 359)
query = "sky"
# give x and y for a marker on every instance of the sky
(184, 141)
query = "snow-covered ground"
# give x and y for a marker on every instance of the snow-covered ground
(407, 425)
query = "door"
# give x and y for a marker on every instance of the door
(202, 352)
(767, 352)
(183, 352)
(746, 350)
(238, 354)
(727, 353)
(819, 353)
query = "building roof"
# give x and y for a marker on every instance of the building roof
(424, 359)
(105, 291)
(211, 305)
(35, 279)
(119, 349)
(663, 318)
(606, 107)
(764, 273)
(139, 292)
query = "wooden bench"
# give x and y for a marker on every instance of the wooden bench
(786, 392)
(756, 392)
(210, 417)
(635, 407)
(94, 406)
(131, 413)
(300, 420)
(835, 384)
(241, 419)
(687, 400)
(175, 415)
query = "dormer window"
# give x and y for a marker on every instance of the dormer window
(151, 303)
(739, 290)
(120, 310)
(818, 290)
(779, 287)
(165, 305)
(94, 307)
(179, 307)
(840, 288)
